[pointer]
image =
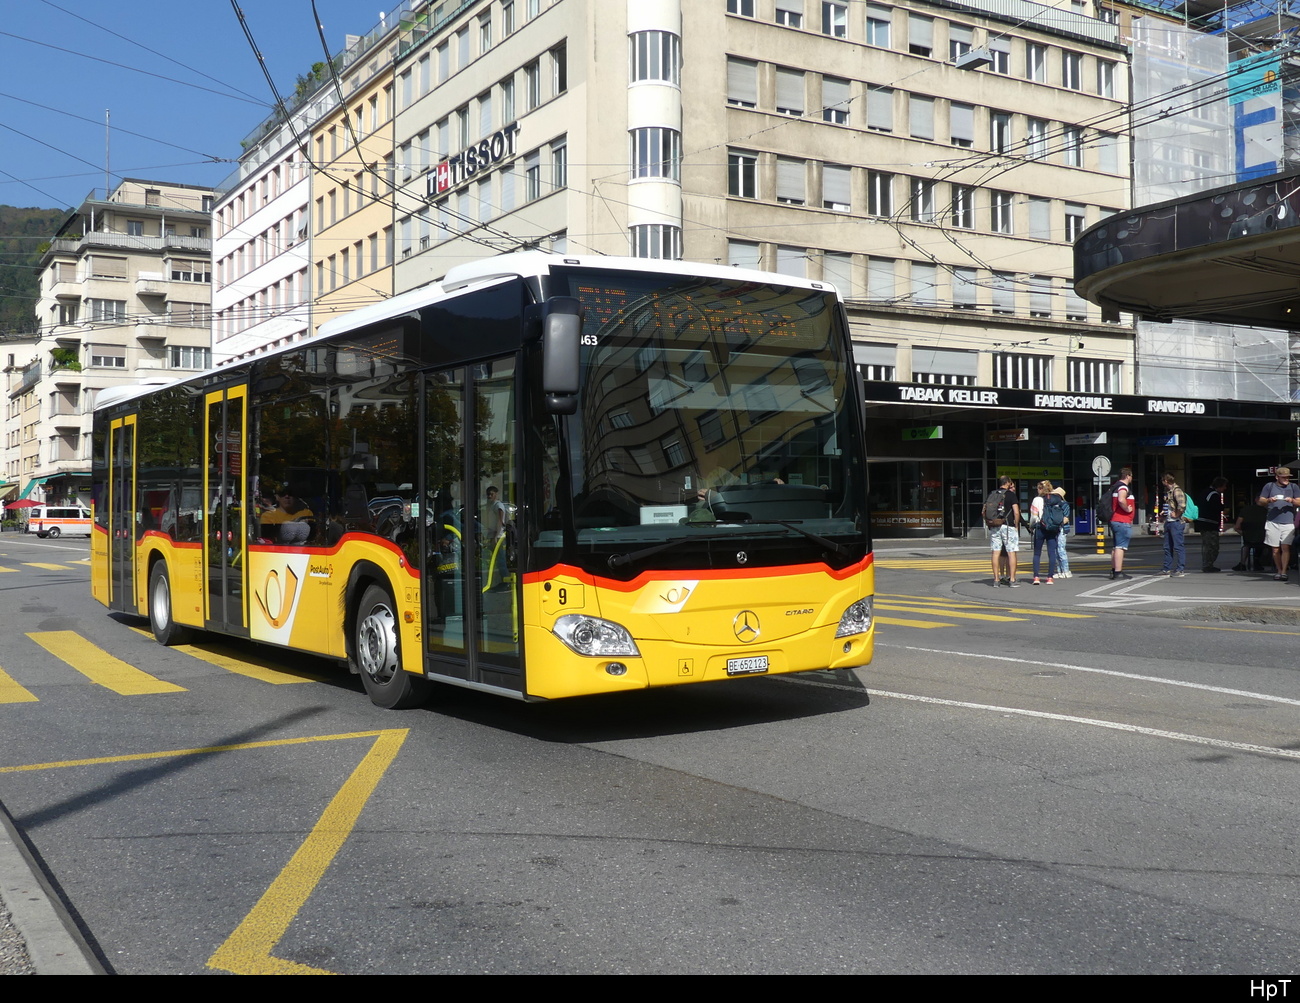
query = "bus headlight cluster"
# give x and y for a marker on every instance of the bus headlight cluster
(856, 619)
(590, 635)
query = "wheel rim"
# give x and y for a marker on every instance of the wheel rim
(54, 533)
(377, 644)
(161, 607)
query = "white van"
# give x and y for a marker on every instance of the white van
(55, 521)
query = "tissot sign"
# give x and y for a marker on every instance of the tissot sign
(487, 153)
(1078, 403)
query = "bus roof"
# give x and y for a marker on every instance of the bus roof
(528, 264)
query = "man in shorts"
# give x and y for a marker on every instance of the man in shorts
(1006, 538)
(1123, 509)
(1280, 497)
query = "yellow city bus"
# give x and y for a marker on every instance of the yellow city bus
(542, 477)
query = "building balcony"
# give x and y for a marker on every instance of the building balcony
(67, 420)
(126, 242)
(152, 284)
(66, 290)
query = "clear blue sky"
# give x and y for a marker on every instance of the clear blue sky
(215, 96)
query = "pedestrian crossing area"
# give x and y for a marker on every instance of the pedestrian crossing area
(975, 566)
(928, 613)
(17, 566)
(100, 667)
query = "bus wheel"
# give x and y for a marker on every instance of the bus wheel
(165, 629)
(378, 654)
(53, 534)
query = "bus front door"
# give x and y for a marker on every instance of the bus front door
(121, 515)
(471, 589)
(225, 537)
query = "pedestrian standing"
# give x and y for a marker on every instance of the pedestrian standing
(1251, 520)
(1210, 524)
(1172, 507)
(1002, 516)
(1123, 509)
(1280, 497)
(1043, 533)
(1063, 561)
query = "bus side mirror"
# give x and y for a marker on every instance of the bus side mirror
(561, 336)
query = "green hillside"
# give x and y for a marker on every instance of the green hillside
(22, 235)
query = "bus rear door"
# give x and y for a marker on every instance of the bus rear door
(121, 514)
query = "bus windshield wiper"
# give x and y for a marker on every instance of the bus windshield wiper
(623, 560)
(831, 545)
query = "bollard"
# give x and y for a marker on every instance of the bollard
(1101, 539)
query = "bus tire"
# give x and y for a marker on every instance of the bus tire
(377, 644)
(53, 534)
(165, 628)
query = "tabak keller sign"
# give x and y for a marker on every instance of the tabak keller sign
(483, 155)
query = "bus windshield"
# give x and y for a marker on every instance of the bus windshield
(711, 409)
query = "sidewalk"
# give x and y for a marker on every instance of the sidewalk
(37, 936)
(1229, 595)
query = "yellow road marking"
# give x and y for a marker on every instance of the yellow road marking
(267, 672)
(12, 692)
(248, 950)
(3, 570)
(894, 621)
(47, 567)
(1243, 630)
(940, 604)
(136, 757)
(950, 612)
(99, 666)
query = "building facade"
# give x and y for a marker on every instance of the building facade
(125, 296)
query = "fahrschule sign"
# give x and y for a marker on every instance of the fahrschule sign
(482, 155)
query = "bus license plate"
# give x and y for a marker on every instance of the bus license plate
(746, 666)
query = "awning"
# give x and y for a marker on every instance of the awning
(35, 482)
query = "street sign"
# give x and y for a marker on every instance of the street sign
(924, 432)
(1158, 440)
(1009, 435)
(1086, 439)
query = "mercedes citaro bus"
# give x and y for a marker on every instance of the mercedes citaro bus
(543, 476)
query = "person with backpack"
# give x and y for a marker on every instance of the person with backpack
(1002, 517)
(1122, 508)
(1172, 511)
(1046, 516)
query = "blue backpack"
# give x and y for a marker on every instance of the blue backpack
(1055, 512)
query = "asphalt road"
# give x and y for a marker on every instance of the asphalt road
(1052, 785)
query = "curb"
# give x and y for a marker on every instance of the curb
(54, 944)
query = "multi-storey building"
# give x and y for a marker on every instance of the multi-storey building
(353, 154)
(934, 160)
(124, 296)
(260, 258)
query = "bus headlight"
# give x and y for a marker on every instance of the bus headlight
(856, 619)
(590, 635)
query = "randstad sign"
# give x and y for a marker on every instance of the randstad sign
(482, 155)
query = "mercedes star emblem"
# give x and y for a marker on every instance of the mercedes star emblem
(746, 625)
